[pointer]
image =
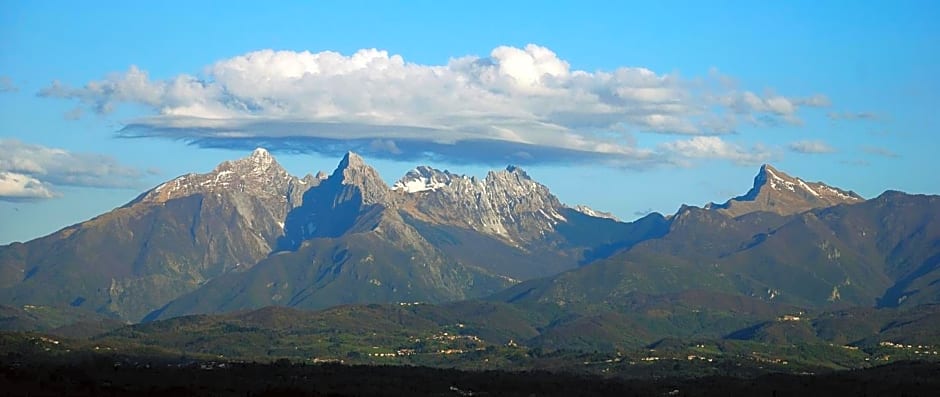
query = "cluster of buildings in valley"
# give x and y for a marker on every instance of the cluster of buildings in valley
(918, 349)
(447, 343)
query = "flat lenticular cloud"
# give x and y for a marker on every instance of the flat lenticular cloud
(31, 172)
(517, 104)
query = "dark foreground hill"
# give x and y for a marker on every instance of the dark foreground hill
(104, 376)
(491, 348)
(490, 335)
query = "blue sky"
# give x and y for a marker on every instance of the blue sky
(626, 107)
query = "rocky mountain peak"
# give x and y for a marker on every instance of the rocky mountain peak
(184, 232)
(353, 171)
(511, 172)
(775, 191)
(333, 207)
(351, 160)
(259, 162)
(768, 175)
(780, 181)
(423, 179)
(261, 155)
(258, 174)
(515, 170)
(506, 203)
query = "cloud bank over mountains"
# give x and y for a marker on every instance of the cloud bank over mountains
(523, 105)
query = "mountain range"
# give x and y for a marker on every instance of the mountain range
(249, 235)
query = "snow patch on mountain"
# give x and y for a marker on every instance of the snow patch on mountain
(805, 186)
(597, 214)
(422, 179)
(775, 191)
(506, 203)
(258, 175)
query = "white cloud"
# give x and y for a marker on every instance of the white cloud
(74, 114)
(7, 85)
(817, 100)
(514, 100)
(713, 147)
(880, 151)
(809, 147)
(770, 109)
(31, 171)
(856, 162)
(19, 187)
(852, 115)
(643, 212)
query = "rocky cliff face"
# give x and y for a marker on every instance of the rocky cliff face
(777, 192)
(256, 187)
(347, 243)
(505, 204)
(336, 204)
(259, 175)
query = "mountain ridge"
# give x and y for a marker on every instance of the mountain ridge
(248, 234)
(406, 245)
(883, 252)
(775, 191)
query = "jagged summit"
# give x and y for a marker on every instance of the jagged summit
(351, 160)
(779, 181)
(260, 153)
(515, 170)
(427, 179)
(775, 191)
(352, 170)
(353, 166)
(423, 179)
(258, 174)
(259, 161)
(260, 158)
(506, 204)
